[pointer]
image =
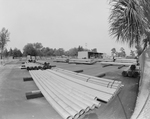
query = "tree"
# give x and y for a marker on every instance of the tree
(113, 51)
(132, 53)
(59, 52)
(54, 51)
(5, 53)
(38, 47)
(17, 53)
(145, 4)
(129, 21)
(122, 49)
(80, 48)
(29, 50)
(94, 50)
(122, 53)
(46, 51)
(50, 52)
(66, 53)
(73, 51)
(139, 50)
(4, 38)
(10, 53)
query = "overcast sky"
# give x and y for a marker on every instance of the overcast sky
(58, 24)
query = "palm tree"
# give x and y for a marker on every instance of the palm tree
(129, 21)
(132, 53)
(4, 38)
(113, 51)
(123, 53)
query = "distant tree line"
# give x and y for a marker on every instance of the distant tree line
(37, 49)
(122, 52)
(34, 49)
(12, 53)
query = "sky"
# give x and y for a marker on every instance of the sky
(59, 24)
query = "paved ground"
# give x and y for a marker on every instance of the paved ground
(14, 105)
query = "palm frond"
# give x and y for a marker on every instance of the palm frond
(127, 21)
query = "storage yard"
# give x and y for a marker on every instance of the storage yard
(59, 59)
(15, 105)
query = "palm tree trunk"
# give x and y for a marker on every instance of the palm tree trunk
(147, 41)
(145, 46)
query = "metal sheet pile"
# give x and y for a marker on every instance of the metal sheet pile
(61, 60)
(117, 63)
(73, 96)
(82, 61)
(126, 62)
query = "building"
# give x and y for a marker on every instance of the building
(89, 55)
